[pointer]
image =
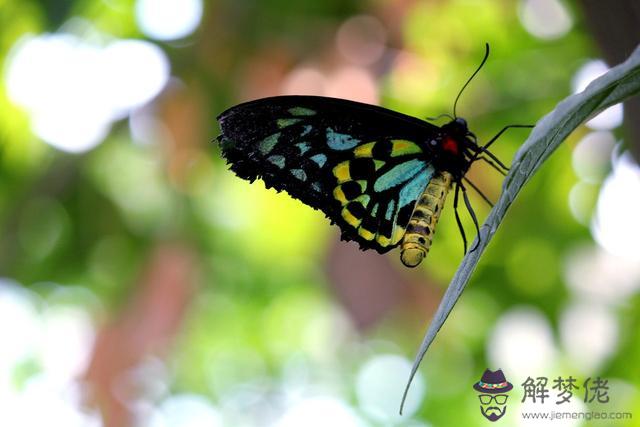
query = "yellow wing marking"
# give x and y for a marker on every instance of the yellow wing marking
(351, 220)
(398, 232)
(402, 147)
(364, 150)
(338, 194)
(366, 234)
(341, 171)
(383, 240)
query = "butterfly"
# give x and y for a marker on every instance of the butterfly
(380, 175)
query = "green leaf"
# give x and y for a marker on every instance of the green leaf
(618, 84)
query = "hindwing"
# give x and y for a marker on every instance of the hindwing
(363, 166)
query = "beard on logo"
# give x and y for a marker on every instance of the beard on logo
(493, 413)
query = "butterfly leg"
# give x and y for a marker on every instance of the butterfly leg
(501, 169)
(473, 216)
(484, 150)
(485, 198)
(455, 209)
(503, 130)
(492, 157)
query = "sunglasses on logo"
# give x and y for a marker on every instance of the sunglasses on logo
(500, 399)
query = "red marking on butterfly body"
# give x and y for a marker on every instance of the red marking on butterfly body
(450, 145)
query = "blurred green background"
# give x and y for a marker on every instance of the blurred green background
(143, 284)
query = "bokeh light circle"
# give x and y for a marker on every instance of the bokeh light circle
(168, 19)
(616, 227)
(74, 89)
(545, 19)
(320, 411)
(361, 39)
(381, 381)
(610, 118)
(522, 343)
(591, 157)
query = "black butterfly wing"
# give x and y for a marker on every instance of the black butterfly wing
(363, 166)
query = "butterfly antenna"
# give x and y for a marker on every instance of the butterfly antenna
(486, 55)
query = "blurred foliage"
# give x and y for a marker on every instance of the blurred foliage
(265, 320)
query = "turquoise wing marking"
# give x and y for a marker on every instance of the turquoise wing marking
(391, 207)
(340, 141)
(398, 174)
(267, 144)
(412, 190)
(319, 159)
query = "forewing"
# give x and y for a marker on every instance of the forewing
(361, 165)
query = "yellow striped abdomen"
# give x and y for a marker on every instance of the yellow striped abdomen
(417, 239)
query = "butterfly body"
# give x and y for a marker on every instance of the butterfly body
(419, 233)
(381, 176)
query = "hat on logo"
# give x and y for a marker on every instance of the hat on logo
(493, 382)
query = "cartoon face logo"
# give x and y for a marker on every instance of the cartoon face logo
(492, 389)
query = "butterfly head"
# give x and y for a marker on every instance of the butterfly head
(460, 124)
(455, 147)
(458, 129)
